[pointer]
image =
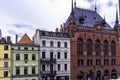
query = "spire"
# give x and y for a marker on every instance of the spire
(117, 21)
(75, 4)
(95, 6)
(72, 6)
(72, 12)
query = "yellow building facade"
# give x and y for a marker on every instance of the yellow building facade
(5, 60)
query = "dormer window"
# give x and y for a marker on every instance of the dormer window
(81, 20)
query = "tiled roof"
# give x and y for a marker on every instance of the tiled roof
(89, 17)
(25, 40)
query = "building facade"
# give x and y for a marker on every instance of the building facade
(54, 55)
(94, 45)
(5, 59)
(25, 60)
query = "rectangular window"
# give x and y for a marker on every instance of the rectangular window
(58, 55)
(5, 47)
(5, 73)
(25, 48)
(5, 56)
(65, 45)
(33, 70)
(65, 55)
(106, 62)
(17, 70)
(113, 62)
(58, 67)
(17, 56)
(51, 55)
(43, 54)
(98, 62)
(33, 56)
(80, 62)
(25, 70)
(5, 64)
(43, 67)
(65, 66)
(51, 67)
(25, 56)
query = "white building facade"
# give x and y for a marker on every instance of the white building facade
(54, 55)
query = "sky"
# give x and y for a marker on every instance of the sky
(25, 16)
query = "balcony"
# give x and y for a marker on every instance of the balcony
(47, 73)
(48, 60)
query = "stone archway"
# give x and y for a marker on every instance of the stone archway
(106, 75)
(114, 74)
(80, 76)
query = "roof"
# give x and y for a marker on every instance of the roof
(90, 18)
(25, 40)
(54, 34)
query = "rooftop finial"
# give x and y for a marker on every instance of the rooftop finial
(95, 6)
(72, 6)
(75, 4)
(117, 21)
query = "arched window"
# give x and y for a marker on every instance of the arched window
(98, 47)
(89, 47)
(80, 46)
(43, 43)
(58, 44)
(105, 48)
(51, 44)
(113, 48)
(114, 74)
(65, 44)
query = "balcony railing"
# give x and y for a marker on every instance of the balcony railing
(47, 60)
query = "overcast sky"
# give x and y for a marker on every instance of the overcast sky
(25, 16)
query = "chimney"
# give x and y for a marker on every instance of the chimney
(8, 39)
(56, 29)
(61, 30)
(16, 38)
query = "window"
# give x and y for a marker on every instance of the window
(33, 56)
(98, 62)
(43, 67)
(51, 55)
(5, 56)
(5, 47)
(105, 46)
(58, 44)
(51, 44)
(17, 56)
(33, 70)
(43, 54)
(43, 43)
(58, 67)
(113, 62)
(89, 62)
(32, 48)
(98, 47)
(17, 70)
(65, 55)
(25, 48)
(65, 66)
(5, 73)
(113, 48)
(106, 62)
(81, 62)
(89, 47)
(58, 55)
(25, 56)
(80, 46)
(5, 64)
(65, 45)
(51, 67)
(25, 70)
(18, 48)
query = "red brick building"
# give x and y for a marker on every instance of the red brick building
(95, 48)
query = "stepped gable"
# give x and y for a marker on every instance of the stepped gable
(87, 17)
(25, 40)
